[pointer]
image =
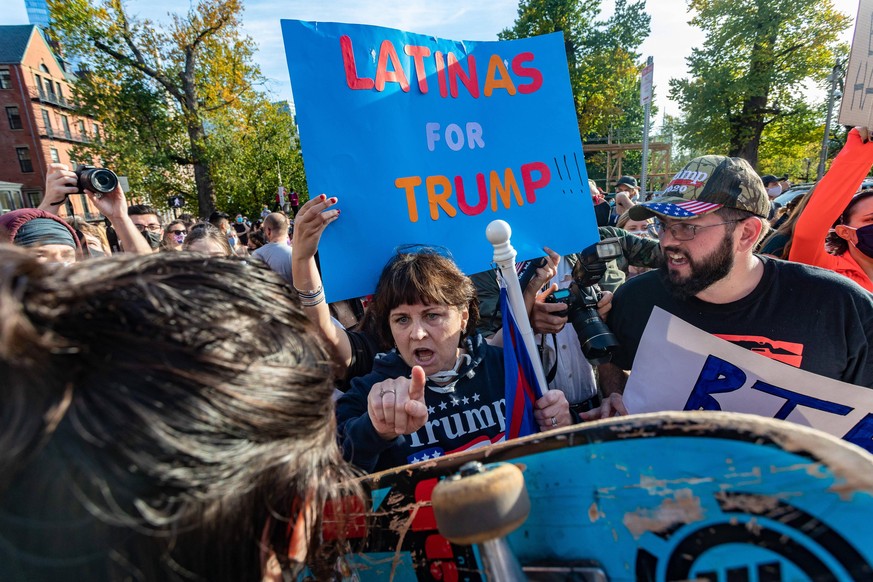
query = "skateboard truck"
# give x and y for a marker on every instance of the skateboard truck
(480, 505)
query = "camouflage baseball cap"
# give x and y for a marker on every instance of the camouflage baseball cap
(706, 184)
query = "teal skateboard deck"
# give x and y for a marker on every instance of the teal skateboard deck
(673, 496)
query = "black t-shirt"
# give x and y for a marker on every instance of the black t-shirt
(808, 317)
(240, 228)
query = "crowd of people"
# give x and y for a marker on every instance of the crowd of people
(182, 403)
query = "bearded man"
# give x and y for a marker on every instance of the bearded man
(711, 218)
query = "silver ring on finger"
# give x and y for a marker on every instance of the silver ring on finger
(383, 392)
(554, 422)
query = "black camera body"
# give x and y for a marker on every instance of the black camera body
(100, 181)
(597, 341)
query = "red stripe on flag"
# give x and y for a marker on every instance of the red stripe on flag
(696, 206)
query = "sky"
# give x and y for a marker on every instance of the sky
(670, 42)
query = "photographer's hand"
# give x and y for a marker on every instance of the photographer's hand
(113, 205)
(543, 318)
(611, 406)
(59, 183)
(605, 304)
(544, 274)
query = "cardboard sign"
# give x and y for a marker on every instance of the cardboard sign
(680, 367)
(425, 141)
(857, 105)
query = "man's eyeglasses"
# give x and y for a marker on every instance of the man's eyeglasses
(149, 227)
(178, 232)
(682, 231)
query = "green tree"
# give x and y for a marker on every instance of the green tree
(251, 150)
(748, 76)
(143, 138)
(158, 88)
(601, 54)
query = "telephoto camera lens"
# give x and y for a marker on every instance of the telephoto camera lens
(98, 180)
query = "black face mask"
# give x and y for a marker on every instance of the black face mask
(153, 238)
(865, 240)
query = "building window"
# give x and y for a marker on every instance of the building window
(14, 117)
(50, 90)
(96, 132)
(24, 160)
(56, 158)
(65, 122)
(33, 199)
(4, 78)
(38, 80)
(81, 125)
(47, 122)
(6, 203)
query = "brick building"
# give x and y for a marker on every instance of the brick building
(39, 122)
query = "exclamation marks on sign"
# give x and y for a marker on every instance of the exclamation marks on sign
(566, 172)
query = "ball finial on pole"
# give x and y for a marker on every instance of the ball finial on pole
(498, 232)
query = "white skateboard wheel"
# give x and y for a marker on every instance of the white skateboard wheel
(473, 508)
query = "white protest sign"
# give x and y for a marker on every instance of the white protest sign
(646, 84)
(857, 107)
(680, 367)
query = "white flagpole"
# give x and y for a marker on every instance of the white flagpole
(498, 233)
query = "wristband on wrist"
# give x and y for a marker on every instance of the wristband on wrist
(311, 298)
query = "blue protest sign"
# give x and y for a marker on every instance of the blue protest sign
(426, 141)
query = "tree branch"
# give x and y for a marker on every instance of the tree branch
(138, 64)
(210, 30)
(181, 160)
(139, 61)
(790, 49)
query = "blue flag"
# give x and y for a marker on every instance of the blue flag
(522, 388)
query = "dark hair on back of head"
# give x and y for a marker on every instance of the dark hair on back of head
(159, 421)
(206, 231)
(838, 243)
(425, 277)
(216, 217)
(141, 209)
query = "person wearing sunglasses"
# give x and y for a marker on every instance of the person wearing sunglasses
(710, 220)
(174, 236)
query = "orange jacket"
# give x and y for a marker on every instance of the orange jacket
(829, 199)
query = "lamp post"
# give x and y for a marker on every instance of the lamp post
(832, 94)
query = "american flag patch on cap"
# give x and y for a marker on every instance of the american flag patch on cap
(687, 209)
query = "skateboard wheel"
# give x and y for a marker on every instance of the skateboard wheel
(481, 505)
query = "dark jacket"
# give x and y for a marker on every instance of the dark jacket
(472, 415)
